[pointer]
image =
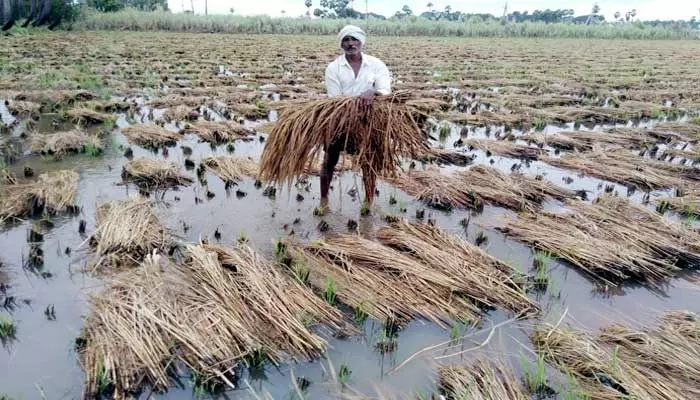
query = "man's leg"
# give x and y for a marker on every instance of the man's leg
(369, 180)
(330, 160)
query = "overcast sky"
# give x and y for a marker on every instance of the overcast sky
(646, 9)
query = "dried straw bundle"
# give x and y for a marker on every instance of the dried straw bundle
(612, 240)
(445, 157)
(52, 192)
(388, 130)
(233, 302)
(126, 232)
(558, 141)
(150, 135)
(475, 274)
(59, 143)
(87, 115)
(219, 132)
(688, 204)
(345, 163)
(24, 109)
(379, 281)
(231, 168)
(152, 174)
(180, 113)
(627, 169)
(480, 185)
(505, 148)
(175, 100)
(515, 190)
(484, 380)
(124, 338)
(594, 368)
(669, 352)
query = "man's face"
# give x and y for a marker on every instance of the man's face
(351, 46)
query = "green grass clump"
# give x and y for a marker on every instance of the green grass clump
(361, 312)
(344, 374)
(535, 375)
(329, 292)
(7, 328)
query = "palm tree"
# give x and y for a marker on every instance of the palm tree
(617, 15)
(308, 4)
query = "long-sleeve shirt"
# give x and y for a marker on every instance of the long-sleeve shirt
(341, 80)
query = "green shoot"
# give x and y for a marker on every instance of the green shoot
(361, 312)
(535, 377)
(344, 374)
(301, 271)
(7, 328)
(329, 291)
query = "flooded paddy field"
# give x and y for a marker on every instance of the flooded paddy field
(560, 198)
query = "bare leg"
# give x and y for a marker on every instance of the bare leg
(330, 160)
(369, 180)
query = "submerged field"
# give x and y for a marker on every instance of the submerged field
(552, 223)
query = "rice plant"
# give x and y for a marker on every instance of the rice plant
(344, 374)
(535, 375)
(329, 293)
(301, 271)
(7, 328)
(92, 150)
(361, 312)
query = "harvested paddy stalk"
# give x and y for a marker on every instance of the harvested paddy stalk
(52, 192)
(484, 380)
(151, 174)
(612, 240)
(124, 345)
(378, 135)
(688, 204)
(219, 132)
(505, 148)
(558, 141)
(445, 157)
(475, 274)
(60, 143)
(150, 135)
(627, 169)
(378, 281)
(480, 185)
(656, 362)
(181, 113)
(88, 116)
(126, 232)
(233, 303)
(231, 168)
(24, 109)
(345, 163)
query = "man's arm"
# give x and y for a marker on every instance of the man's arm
(382, 84)
(332, 82)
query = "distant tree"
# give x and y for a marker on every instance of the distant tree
(630, 14)
(308, 4)
(617, 15)
(231, 10)
(407, 10)
(430, 6)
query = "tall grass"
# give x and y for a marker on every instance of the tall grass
(165, 21)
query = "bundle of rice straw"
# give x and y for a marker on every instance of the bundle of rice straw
(152, 174)
(484, 380)
(345, 163)
(688, 204)
(381, 134)
(479, 185)
(86, 115)
(220, 307)
(219, 132)
(150, 135)
(125, 341)
(126, 232)
(613, 240)
(231, 168)
(505, 148)
(23, 109)
(658, 362)
(52, 192)
(59, 143)
(442, 156)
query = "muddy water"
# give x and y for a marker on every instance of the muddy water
(42, 359)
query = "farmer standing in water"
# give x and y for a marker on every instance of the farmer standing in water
(352, 74)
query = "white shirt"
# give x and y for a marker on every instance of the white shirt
(341, 80)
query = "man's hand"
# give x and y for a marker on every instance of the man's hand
(367, 98)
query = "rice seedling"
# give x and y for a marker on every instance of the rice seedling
(488, 380)
(388, 131)
(505, 148)
(151, 174)
(591, 235)
(361, 312)
(445, 131)
(52, 192)
(231, 168)
(329, 292)
(7, 329)
(219, 132)
(126, 232)
(344, 374)
(535, 377)
(61, 143)
(150, 136)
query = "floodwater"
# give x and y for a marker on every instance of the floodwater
(41, 361)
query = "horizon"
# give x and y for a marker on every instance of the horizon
(646, 10)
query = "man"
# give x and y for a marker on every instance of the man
(352, 74)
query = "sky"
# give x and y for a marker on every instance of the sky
(646, 9)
